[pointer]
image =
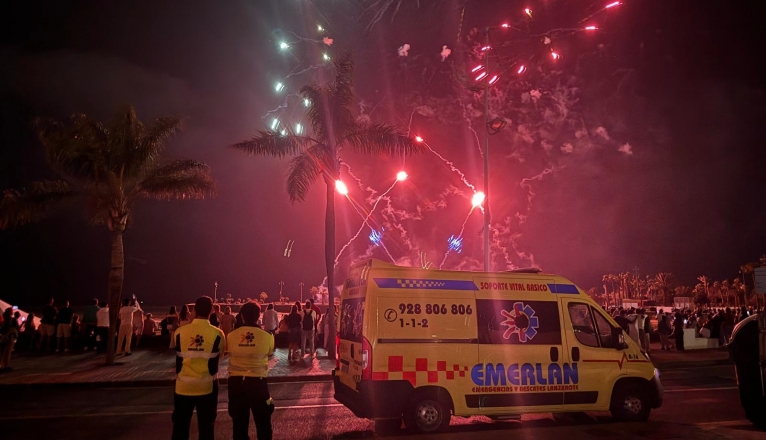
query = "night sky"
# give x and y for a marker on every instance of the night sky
(682, 82)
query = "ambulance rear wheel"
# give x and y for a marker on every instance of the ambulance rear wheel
(428, 412)
(630, 404)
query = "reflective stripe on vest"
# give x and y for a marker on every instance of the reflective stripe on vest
(197, 354)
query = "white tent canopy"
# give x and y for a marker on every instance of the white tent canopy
(4, 305)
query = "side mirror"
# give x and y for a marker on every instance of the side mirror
(618, 338)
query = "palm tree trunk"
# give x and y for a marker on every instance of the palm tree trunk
(116, 276)
(329, 260)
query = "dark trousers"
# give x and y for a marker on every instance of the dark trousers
(207, 410)
(246, 395)
(680, 342)
(101, 333)
(90, 336)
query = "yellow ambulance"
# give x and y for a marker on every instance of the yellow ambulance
(424, 345)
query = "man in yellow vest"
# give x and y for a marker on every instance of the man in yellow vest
(199, 347)
(249, 350)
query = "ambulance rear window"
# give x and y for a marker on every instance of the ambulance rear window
(351, 319)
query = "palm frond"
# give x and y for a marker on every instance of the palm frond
(380, 140)
(342, 96)
(75, 147)
(97, 208)
(180, 179)
(304, 170)
(272, 143)
(18, 207)
(344, 80)
(149, 146)
(124, 130)
(318, 111)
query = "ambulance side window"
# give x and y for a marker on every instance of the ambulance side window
(582, 324)
(604, 330)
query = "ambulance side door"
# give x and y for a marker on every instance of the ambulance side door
(592, 357)
(519, 342)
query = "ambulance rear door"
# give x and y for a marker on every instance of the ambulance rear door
(351, 326)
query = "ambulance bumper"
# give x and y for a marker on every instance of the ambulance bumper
(375, 399)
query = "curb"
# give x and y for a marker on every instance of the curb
(680, 365)
(150, 383)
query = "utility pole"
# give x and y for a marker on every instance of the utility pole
(486, 155)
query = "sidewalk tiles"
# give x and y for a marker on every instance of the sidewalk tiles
(143, 368)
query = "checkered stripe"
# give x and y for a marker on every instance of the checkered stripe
(421, 374)
(417, 284)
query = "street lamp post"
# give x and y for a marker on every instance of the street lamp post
(486, 155)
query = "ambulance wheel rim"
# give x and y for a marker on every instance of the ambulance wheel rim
(428, 413)
(633, 404)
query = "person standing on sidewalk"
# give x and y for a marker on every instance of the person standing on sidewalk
(270, 319)
(727, 327)
(294, 334)
(215, 317)
(308, 329)
(640, 327)
(47, 326)
(678, 331)
(647, 333)
(138, 325)
(9, 334)
(227, 321)
(171, 325)
(102, 327)
(199, 347)
(64, 327)
(249, 350)
(663, 328)
(90, 322)
(126, 325)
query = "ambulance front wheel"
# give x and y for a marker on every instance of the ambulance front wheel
(630, 404)
(428, 411)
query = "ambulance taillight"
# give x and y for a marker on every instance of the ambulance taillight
(366, 360)
(337, 351)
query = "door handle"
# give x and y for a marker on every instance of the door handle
(554, 354)
(575, 354)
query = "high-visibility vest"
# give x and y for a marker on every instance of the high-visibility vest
(249, 350)
(198, 349)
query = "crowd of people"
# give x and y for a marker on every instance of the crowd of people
(717, 323)
(60, 329)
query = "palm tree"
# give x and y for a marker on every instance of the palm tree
(110, 166)
(316, 155)
(705, 283)
(662, 282)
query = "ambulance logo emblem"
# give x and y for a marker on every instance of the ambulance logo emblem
(247, 338)
(520, 321)
(197, 341)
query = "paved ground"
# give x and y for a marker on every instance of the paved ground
(152, 367)
(141, 368)
(700, 403)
